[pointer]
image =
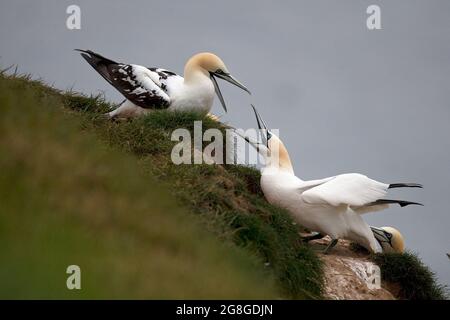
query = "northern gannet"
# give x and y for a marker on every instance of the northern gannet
(148, 89)
(332, 206)
(390, 239)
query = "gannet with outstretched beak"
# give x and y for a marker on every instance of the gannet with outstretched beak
(332, 206)
(390, 239)
(147, 89)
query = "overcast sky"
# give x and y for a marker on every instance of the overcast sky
(346, 99)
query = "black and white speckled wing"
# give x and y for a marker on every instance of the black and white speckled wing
(137, 84)
(167, 80)
(145, 87)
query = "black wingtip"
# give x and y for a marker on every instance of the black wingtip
(407, 203)
(405, 185)
(401, 203)
(88, 58)
(86, 54)
(95, 57)
(81, 50)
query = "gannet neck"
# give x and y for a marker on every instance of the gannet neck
(279, 156)
(194, 73)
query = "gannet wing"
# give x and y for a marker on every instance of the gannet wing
(142, 86)
(167, 80)
(351, 189)
(306, 185)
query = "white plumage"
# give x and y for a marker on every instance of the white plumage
(351, 189)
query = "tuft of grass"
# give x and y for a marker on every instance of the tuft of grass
(85, 103)
(415, 280)
(250, 176)
(408, 276)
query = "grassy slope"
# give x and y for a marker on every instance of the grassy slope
(68, 198)
(108, 204)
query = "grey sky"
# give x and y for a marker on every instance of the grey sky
(345, 99)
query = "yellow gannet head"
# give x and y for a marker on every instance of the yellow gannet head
(276, 153)
(390, 239)
(207, 61)
(211, 65)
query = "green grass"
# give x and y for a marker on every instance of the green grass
(409, 277)
(415, 280)
(79, 189)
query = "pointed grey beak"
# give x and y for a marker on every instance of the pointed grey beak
(227, 77)
(253, 143)
(261, 148)
(262, 126)
(382, 235)
(219, 94)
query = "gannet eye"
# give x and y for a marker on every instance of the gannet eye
(219, 71)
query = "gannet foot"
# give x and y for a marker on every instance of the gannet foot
(330, 246)
(313, 236)
(213, 117)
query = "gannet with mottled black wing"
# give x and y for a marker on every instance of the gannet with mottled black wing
(147, 89)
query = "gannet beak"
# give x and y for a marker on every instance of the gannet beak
(382, 236)
(254, 144)
(228, 77)
(219, 94)
(262, 149)
(262, 126)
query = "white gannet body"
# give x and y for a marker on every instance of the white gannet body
(147, 89)
(332, 206)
